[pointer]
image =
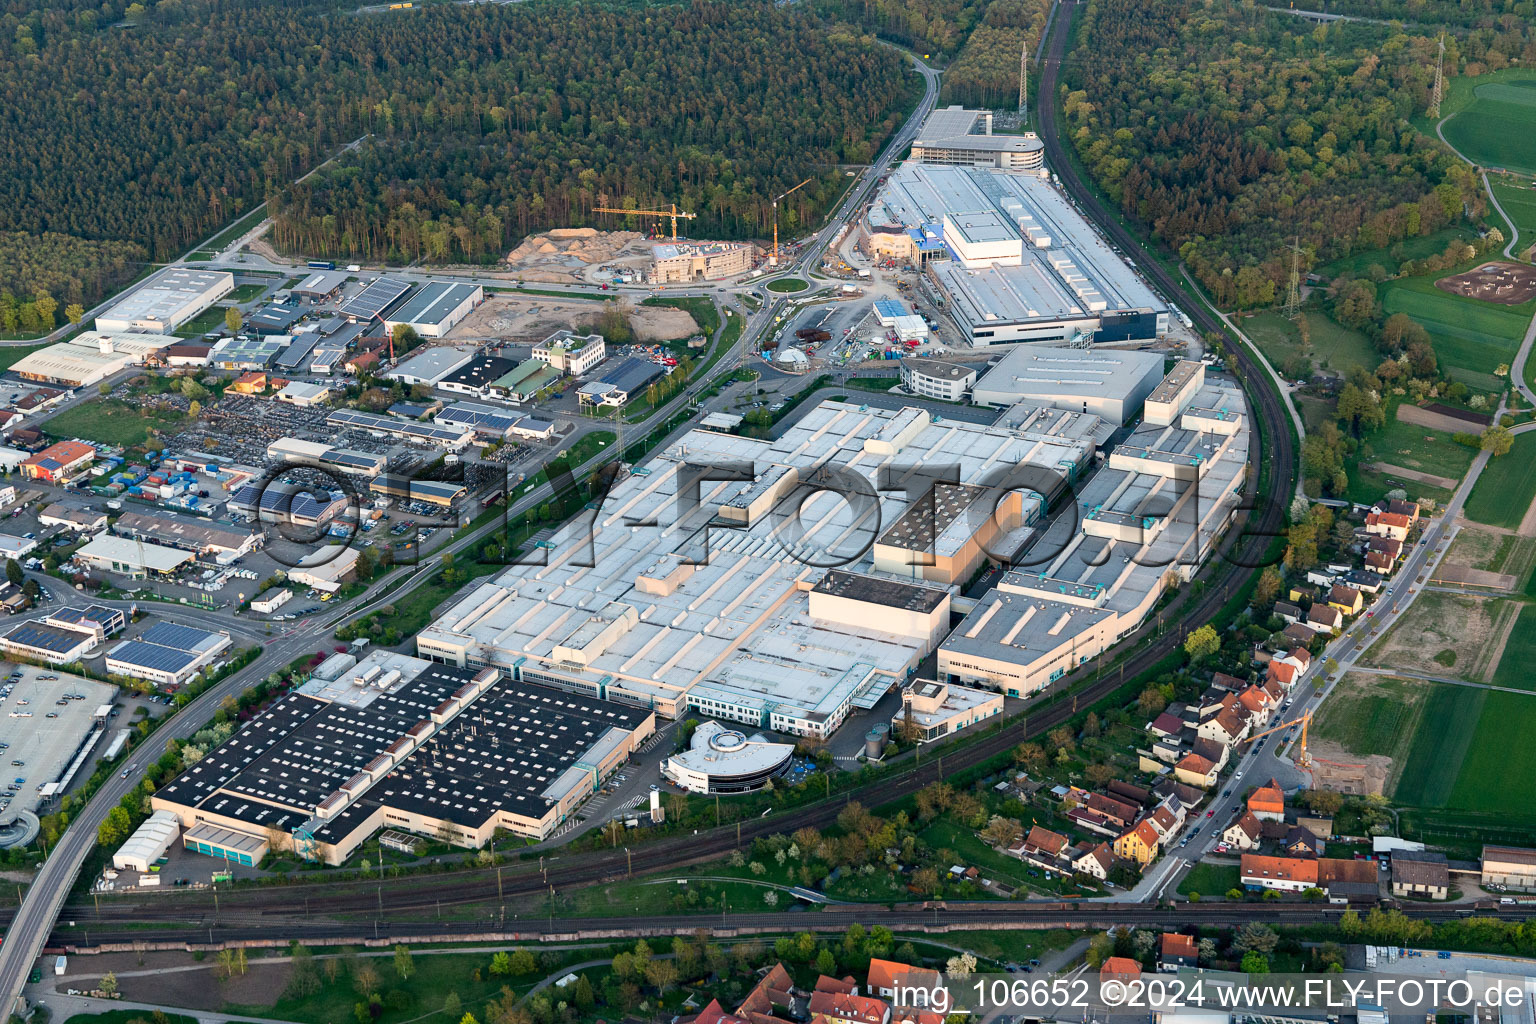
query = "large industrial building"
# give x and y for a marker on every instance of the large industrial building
(89, 358)
(745, 621)
(574, 354)
(954, 135)
(720, 760)
(1149, 517)
(397, 742)
(1112, 384)
(1014, 260)
(166, 654)
(681, 262)
(165, 303)
(436, 309)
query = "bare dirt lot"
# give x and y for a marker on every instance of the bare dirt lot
(1407, 412)
(562, 255)
(1447, 635)
(531, 318)
(1443, 482)
(1508, 284)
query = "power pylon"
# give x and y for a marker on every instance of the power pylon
(1024, 83)
(1439, 90)
(1293, 290)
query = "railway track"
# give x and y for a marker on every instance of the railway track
(388, 902)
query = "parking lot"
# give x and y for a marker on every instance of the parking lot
(41, 730)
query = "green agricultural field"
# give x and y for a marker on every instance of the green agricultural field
(1505, 489)
(1519, 653)
(1334, 346)
(1441, 742)
(1467, 333)
(1393, 256)
(1409, 447)
(1498, 127)
(1501, 760)
(1518, 200)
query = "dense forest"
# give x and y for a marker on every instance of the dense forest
(1231, 131)
(68, 268)
(483, 122)
(936, 29)
(986, 74)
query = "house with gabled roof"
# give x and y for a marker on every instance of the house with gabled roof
(1267, 803)
(1139, 844)
(1244, 833)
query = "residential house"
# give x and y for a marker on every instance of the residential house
(1289, 612)
(1320, 827)
(773, 999)
(1379, 562)
(1168, 818)
(1122, 790)
(252, 383)
(1300, 633)
(1213, 751)
(1094, 821)
(1096, 863)
(1119, 968)
(901, 984)
(13, 599)
(1122, 812)
(1283, 874)
(713, 1013)
(1041, 847)
(1256, 702)
(836, 1002)
(1347, 880)
(1224, 681)
(1300, 657)
(1346, 599)
(1284, 673)
(1407, 509)
(1302, 593)
(1244, 833)
(1226, 726)
(1300, 842)
(1364, 580)
(1194, 770)
(1139, 844)
(1165, 725)
(1420, 873)
(1387, 524)
(1325, 617)
(1188, 797)
(1267, 803)
(1176, 950)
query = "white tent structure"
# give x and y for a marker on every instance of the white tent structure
(148, 842)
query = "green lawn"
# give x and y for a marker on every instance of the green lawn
(1211, 880)
(1507, 487)
(245, 293)
(1519, 653)
(1500, 762)
(1334, 346)
(210, 319)
(1410, 447)
(1393, 256)
(1467, 333)
(788, 284)
(123, 1017)
(1370, 714)
(1518, 200)
(1441, 742)
(1496, 128)
(1018, 945)
(105, 422)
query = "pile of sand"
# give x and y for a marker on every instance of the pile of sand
(585, 245)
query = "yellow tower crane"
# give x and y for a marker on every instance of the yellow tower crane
(673, 214)
(774, 261)
(1303, 759)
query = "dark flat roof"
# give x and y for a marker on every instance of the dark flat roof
(876, 590)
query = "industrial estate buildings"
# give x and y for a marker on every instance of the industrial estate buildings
(954, 135)
(165, 303)
(395, 741)
(1014, 260)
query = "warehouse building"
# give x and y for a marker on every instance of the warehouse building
(475, 377)
(750, 634)
(321, 286)
(373, 301)
(38, 640)
(89, 358)
(681, 262)
(1017, 263)
(287, 503)
(161, 305)
(525, 381)
(166, 654)
(199, 536)
(574, 354)
(313, 453)
(619, 382)
(327, 569)
(1145, 520)
(1111, 384)
(59, 462)
(304, 394)
(956, 136)
(133, 558)
(73, 516)
(274, 319)
(450, 436)
(247, 353)
(442, 493)
(431, 365)
(436, 309)
(489, 422)
(397, 742)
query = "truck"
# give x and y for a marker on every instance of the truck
(59, 964)
(353, 268)
(322, 264)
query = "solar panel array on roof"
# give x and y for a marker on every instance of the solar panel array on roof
(151, 656)
(296, 355)
(393, 425)
(179, 637)
(628, 375)
(481, 417)
(373, 300)
(45, 638)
